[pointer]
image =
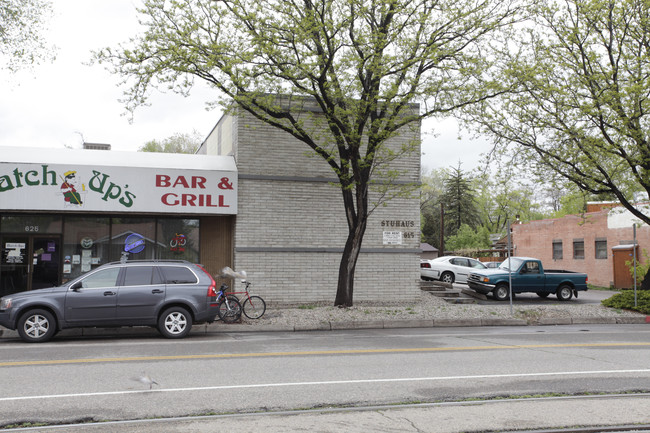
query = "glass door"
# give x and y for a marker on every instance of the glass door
(29, 262)
(45, 253)
(14, 268)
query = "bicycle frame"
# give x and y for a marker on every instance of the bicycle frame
(245, 292)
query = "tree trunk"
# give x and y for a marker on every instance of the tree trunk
(345, 288)
(356, 211)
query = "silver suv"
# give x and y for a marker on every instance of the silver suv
(171, 295)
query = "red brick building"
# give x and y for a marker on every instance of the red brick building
(598, 242)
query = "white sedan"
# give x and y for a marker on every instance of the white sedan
(449, 269)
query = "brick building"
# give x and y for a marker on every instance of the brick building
(598, 242)
(290, 228)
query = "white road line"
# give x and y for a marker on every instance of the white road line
(325, 383)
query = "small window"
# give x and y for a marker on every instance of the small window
(138, 276)
(460, 262)
(601, 248)
(103, 278)
(178, 275)
(579, 249)
(557, 250)
(530, 268)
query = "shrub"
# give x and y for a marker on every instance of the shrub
(641, 268)
(625, 300)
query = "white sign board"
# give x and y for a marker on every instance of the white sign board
(90, 188)
(392, 238)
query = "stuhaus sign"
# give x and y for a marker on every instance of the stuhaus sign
(114, 189)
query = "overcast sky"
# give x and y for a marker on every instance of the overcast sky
(56, 104)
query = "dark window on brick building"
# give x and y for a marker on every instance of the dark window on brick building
(578, 248)
(601, 248)
(557, 250)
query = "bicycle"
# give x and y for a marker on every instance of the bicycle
(229, 309)
(253, 306)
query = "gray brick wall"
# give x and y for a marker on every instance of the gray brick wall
(291, 229)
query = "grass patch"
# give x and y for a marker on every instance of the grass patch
(592, 287)
(25, 425)
(530, 316)
(625, 301)
(306, 307)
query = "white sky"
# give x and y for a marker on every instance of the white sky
(53, 104)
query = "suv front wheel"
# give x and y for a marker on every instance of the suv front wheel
(175, 322)
(36, 326)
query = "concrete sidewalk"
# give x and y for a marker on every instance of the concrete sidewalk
(535, 415)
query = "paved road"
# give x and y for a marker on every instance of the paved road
(89, 378)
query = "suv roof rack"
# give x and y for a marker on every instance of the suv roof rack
(149, 261)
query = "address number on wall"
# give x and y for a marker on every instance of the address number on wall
(31, 228)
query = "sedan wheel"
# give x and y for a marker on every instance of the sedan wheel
(447, 277)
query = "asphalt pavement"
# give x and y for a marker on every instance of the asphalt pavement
(597, 413)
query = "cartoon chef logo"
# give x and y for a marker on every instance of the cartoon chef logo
(69, 188)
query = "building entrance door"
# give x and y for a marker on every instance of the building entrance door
(623, 254)
(29, 262)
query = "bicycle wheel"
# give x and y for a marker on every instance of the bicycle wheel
(254, 307)
(229, 310)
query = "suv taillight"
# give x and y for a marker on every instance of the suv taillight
(212, 290)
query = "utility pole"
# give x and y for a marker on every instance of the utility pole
(442, 229)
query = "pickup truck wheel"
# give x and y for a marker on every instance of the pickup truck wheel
(36, 326)
(543, 294)
(564, 292)
(501, 292)
(447, 277)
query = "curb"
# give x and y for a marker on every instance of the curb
(219, 328)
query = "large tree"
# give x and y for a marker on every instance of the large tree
(579, 97)
(363, 63)
(21, 39)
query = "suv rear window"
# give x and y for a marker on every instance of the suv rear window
(178, 275)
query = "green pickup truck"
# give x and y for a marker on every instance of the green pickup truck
(527, 275)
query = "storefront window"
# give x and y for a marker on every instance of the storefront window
(61, 248)
(85, 245)
(178, 239)
(32, 224)
(133, 238)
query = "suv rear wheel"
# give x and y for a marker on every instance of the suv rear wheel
(175, 322)
(36, 326)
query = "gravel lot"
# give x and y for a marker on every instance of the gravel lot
(432, 307)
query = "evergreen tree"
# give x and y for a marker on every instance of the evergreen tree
(458, 199)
